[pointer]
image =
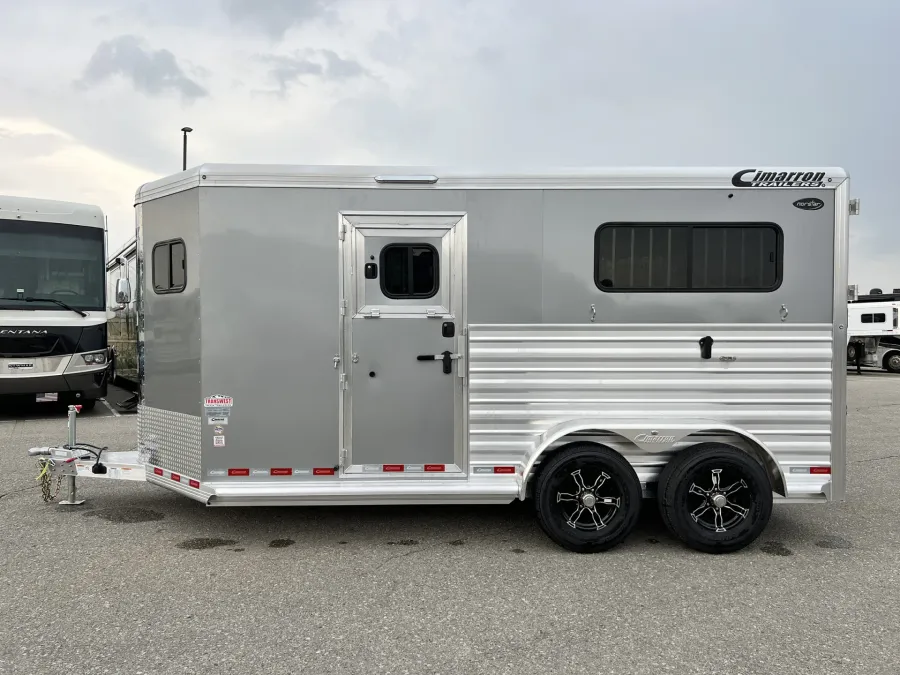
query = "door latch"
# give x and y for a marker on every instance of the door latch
(706, 344)
(446, 359)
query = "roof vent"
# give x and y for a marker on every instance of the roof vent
(413, 180)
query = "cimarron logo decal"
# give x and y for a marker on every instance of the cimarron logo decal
(786, 179)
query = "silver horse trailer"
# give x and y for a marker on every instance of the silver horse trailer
(588, 340)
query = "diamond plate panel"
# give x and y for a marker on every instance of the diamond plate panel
(172, 439)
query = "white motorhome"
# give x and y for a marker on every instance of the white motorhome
(585, 339)
(873, 330)
(53, 339)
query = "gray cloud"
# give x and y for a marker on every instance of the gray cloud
(275, 17)
(323, 63)
(151, 71)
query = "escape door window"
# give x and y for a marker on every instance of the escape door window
(169, 274)
(701, 257)
(409, 271)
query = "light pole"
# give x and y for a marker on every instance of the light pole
(185, 131)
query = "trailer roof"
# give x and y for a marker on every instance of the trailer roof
(50, 211)
(388, 177)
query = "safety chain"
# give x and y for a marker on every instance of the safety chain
(46, 479)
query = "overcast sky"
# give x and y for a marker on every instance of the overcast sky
(95, 91)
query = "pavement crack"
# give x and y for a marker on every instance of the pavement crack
(875, 459)
(12, 492)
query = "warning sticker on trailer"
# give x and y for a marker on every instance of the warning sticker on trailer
(218, 402)
(215, 417)
(219, 430)
(219, 441)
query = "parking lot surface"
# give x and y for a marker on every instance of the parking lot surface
(140, 580)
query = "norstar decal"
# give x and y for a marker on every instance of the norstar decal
(788, 179)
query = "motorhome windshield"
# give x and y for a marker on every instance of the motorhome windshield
(51, 260)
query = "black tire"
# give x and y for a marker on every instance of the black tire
(729, 527)
(579, 508)
(851, 353)
(113, 375)
(892, 362)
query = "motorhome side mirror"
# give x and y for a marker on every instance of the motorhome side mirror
(123, 291)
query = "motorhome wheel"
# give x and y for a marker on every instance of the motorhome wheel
(892, 362)
(588, 498)
(715, 498)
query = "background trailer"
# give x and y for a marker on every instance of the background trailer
(312, 335)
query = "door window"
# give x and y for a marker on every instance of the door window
(409, 271)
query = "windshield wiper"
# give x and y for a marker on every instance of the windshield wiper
(53, 300)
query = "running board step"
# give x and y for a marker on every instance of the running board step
(344, 493)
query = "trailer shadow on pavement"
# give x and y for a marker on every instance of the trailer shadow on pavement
(511, 528)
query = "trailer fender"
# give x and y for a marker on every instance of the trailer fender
(662, 436)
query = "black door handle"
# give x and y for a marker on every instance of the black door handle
(446, 359)
(706, 344)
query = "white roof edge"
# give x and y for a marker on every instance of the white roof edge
(353, 176)
(51, 210)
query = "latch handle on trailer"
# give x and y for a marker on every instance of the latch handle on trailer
(706, 344)
(446, 358)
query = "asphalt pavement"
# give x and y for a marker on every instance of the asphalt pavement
(140, 580)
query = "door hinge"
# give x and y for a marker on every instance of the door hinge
(854, 207)
(343, 382)
(342, 231)
(343, 307)
(343, 457)
(431, 313)
(373, 314)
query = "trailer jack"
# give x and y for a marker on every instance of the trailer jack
(75, 459)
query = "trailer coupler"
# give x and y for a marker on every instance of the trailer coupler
(75, 459)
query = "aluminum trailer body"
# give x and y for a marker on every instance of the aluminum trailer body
(361, 335)
(53, 315)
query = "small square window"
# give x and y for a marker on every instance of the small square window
(409, 271)
(169, 266)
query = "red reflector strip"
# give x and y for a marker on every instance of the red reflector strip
(194, 483)
(504, 469)
(434, 467)
(323, 471)
(176, 477)
(820, 469)
(281, 472)
(392, 467)
(238, 472)
(157, 471)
